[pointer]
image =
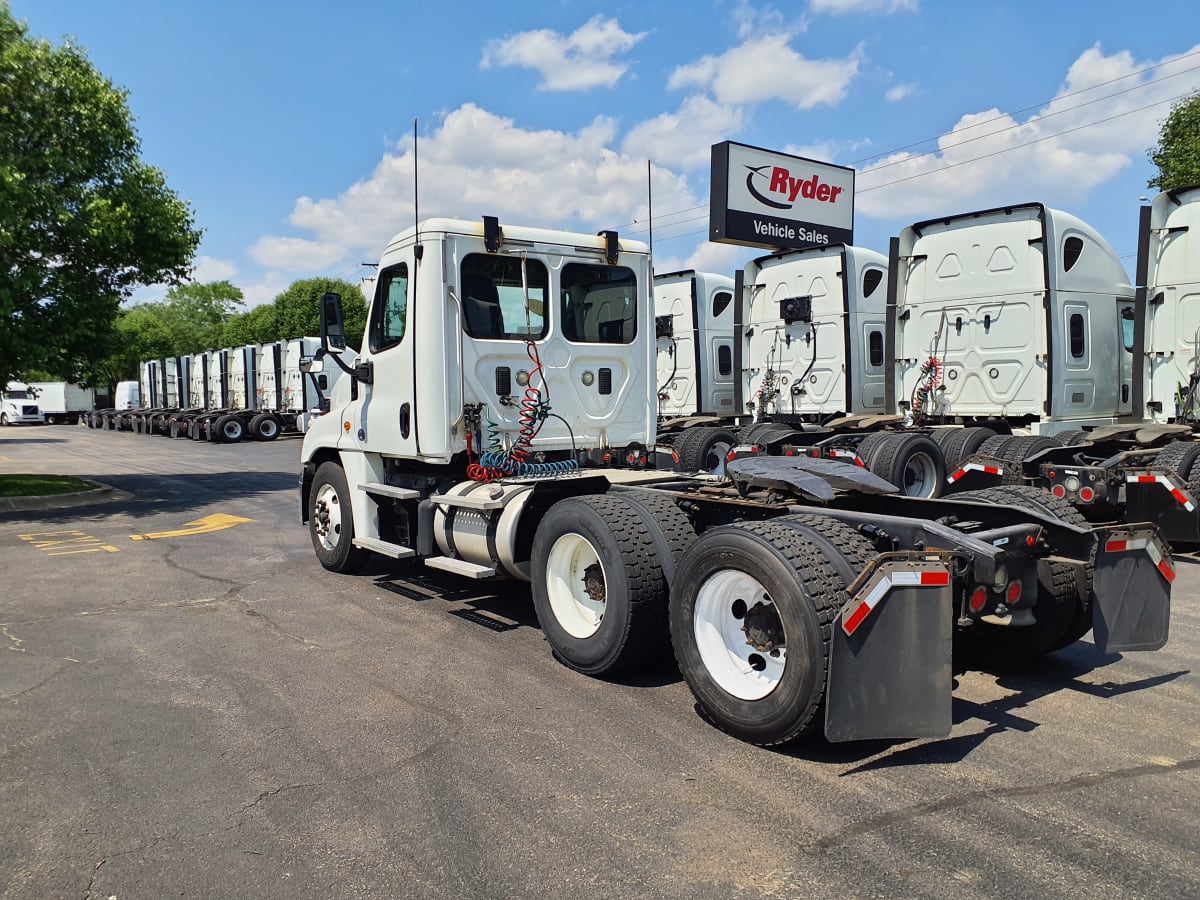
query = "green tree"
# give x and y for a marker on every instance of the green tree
(258, 326)
(196, 315)
(1177, 155)
(83, 220)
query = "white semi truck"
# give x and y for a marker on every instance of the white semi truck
(499, 422)
(18, 406)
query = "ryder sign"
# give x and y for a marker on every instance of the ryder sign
(765, 199)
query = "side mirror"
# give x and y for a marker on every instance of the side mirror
(333, 332)
(312, 364)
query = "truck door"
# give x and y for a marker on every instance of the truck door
(1125, 320)
(388, 414)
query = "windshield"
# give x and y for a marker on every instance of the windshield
(17, 395)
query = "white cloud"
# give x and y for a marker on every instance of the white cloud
(209, 269)
(751, 19)
(1080, 140)
(740, 76)
(578, 61)
(477, 163)
(265, 289)
(899, 92)
(841, 7)
(293, 254)
(683, 138)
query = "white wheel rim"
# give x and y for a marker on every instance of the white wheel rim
(737, 667)
(576, 611)
(714, 462)
(327, 517)
(920, 476)
(269, 428)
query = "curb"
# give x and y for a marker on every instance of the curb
(101, 493)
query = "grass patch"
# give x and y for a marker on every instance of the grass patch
(40, 485)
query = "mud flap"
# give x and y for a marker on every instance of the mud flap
(1134, 573)
(1159, 497)
(890, 657)
(977, 472)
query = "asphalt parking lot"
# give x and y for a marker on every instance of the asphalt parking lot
(191, 706)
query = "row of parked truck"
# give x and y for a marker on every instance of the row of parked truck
(766, 474)
(255, 391)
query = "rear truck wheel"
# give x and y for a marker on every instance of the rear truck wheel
(752, 614)
(704, 448)
(994, 446)
(1017, 451)
(869, 445)
(912, 462)
(230, 429)
(1179, 457)
(598, 585)
(331, 521)
(671, 529)
(1062, 615)
(963, 442)
(264, 427)
(4, 419)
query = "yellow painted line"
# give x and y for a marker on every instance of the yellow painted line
(215, 522)
(5, 459)
(65, 543)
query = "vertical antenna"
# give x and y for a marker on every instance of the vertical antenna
(418, 250)
(650, 206)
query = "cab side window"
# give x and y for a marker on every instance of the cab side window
(389, 315)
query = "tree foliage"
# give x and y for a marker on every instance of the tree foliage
(83, 220)
(1177, 155)
(297, 313)
(189, 319)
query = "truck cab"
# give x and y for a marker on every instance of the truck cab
(19, 406)
(1022, 312)
(693, 316)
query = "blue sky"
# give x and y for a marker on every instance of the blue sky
(287, 123)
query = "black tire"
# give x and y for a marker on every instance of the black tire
(912, 462)
(229, 429)
(1179, 457)
(964, 442)
(1070, 438)
(331, 521)
(804, 593)
(1063, 615)
(870, 444)
(264, 427)
(4, 419)
(670, 528)
(576, 537)
(1017, 451)
(766, 433)
(994, 446)
(703, 449)
(848, 550)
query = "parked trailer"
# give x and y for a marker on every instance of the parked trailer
(62, 401)
(801, 594)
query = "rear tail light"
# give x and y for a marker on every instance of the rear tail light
(978, 599)
(1012, 593)
(1058, 491)
(1087, 495)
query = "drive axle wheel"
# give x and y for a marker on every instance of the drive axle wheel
(751, 619)
(598, 585)
(704, 449)
(265, 427)
(331, 521)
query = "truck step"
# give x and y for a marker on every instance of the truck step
(390, 490)
(395, 551)
(460, 567)
(468, 502)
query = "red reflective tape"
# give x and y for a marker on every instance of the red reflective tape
(992, 470)
(957, 475)
(1166, 570)
(1146, 479)
(1179, 496)
(1115, 546)
(856, 618)
(937, 577)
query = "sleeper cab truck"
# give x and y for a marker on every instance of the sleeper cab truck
(495, 424)
(18, 406)
(176, 395)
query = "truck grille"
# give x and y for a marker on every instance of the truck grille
(29, 410)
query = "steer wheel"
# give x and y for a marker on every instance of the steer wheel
(593, 582)
(764, 631)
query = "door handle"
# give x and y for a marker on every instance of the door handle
(1124, 393)
(405, 420)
